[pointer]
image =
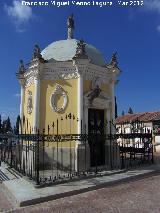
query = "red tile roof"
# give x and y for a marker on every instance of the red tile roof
(144, 116)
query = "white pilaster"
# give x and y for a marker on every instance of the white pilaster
(80, 102)
(113, 100)
(36, 104)
(22, 102)
(21, 107)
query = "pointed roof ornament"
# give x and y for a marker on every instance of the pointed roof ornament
(114, 60)
(20, 73)
(37, 52)
(80, 50)
(70, 26)
(21, 69)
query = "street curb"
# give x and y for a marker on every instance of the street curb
(79, 191)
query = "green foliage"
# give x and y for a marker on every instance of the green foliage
(130, 111)
(0, 124)
(123, 113)
(16, 129)
(5, 126)
(116, 111)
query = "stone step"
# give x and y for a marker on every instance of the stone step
(3, 177)
(14, 172)
(8, 173)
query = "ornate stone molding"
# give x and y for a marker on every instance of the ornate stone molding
(33, 72)
(59, 91)
(67, 70)
(60, 75)
(29, 81)
(80, 50)
(101, 102)
(29, 103)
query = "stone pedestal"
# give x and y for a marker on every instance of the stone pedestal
(83, 157)
(112, 156)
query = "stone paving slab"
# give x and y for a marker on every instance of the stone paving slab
(24, 193)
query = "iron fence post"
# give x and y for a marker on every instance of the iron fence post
(10, 148)
(43, 152)
(85, 141)
(57, 146)
(152, 148)
(37, 159)
(110, 142)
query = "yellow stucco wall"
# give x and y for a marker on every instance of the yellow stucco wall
(29, 117)
(87, 86)
(48, 116)
(105, 88)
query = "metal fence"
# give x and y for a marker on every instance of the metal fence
(48, 158)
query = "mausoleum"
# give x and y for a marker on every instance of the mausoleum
(69, 77)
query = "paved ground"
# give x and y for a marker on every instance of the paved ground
(141, 196)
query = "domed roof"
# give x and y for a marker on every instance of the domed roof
(65, 50)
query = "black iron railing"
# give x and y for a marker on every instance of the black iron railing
(51, 158)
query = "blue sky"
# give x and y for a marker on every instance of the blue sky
(132, 31)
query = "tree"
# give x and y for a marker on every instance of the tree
(116, 113)
(0, 124)
(123, 113)
(6, 126)
(130, 111)
(16, 129)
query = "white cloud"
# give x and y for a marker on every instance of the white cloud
(19, 14)
(152, 5)
(17, 95)
(158, 28)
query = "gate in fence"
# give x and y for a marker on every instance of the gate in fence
(49, 158)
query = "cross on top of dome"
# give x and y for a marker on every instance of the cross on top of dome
(70, 26)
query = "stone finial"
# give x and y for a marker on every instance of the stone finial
(80, 50)
(70, 26)
(114, 60)
(21, 69)
(37, 52)
(20, 73)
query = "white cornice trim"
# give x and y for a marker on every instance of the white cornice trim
(67, 70)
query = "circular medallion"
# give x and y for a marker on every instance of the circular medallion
(59, 92)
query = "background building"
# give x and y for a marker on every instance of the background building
(149, 121)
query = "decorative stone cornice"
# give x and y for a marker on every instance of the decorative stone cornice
(68, 70)
(33, 72)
